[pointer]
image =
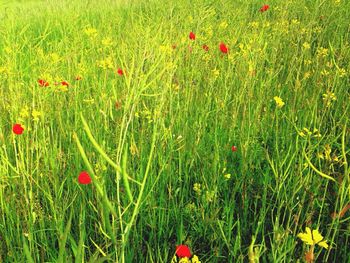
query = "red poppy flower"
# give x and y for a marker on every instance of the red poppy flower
(78, 78)
(120, 72)
(264, 8)
(234, 148)
(84, 178)
(65, 83)
(192, 36)
(183, 251)
(43, 83)
(173, 46)
(17, 129)
(205, 47)
(223, 48)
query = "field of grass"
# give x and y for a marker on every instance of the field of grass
(213, 124)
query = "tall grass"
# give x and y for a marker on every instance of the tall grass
(157, 140)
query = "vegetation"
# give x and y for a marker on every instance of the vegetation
(128, 128)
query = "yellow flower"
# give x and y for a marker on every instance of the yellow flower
(306, 130)
(313, 238)
(328, 98)
(306, 45)
(197, 188)
(24, 112)
(223, 25)
(322, 52)
(195, 259)
(307, 75)
(279, 102)
(327, 152)
(91, 32)
(254, 24)
(341, 72)
(324, 72)
(301, 133)
(105, 63)
(210, 196)
(227, 176)
(107, 42)
(184, 260)
(307, 62)
(36, 114)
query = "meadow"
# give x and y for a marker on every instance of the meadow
(174, 131)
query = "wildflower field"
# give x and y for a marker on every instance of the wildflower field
(174, 131)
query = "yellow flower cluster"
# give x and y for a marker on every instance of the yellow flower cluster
(194, 259)
(306, 132)
(279, 102)
(328, 98)
(106, 63)
(197, 188)
(313, 238)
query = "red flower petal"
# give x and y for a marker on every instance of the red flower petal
(205, 47)
(223, 48)
(43, 83)
(183, 251)
(17, 129)
(84, 178)
(264, 8)
(234, 148)
(192, 36)
(120, 72)
(65, 83)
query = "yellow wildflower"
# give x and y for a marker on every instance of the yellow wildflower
(24, 112)
(279, 102)
(107, 42)
(341, 72)
(227, 176)
(322, 52)
(327, 152)
(106, 63)
(306, 45)
(320, 156)
(223, 25)
(197, 188)
(184, 260)
(210, 196)
(307, 75)
(91, 32)
(324, 72)
(36, 114)
(254, 24)
(307, 131)
(301, 133)
(328, 98)
(195, 259)
(316, 133)
(314, 238)
(307, 62)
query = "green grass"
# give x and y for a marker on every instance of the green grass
(179, 111)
